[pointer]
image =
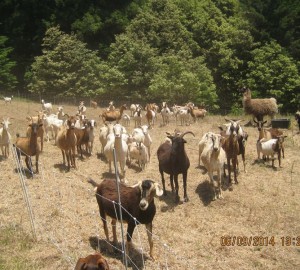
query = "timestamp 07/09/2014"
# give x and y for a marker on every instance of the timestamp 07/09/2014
(284, 241)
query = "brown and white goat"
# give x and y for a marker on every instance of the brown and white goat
(173, 160)
(137, 206)
(29, 147)
(232, 148)
(41, 130)
(271, 147)
(92, 262)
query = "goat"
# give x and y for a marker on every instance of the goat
(82, 135)
(165, 113)
(111, 106)
(5, 137)
(114, 115)
(81, 108)
(139, 152)
(137, 206)
(133, 108)
(137, 116)
(94, 104)
(46, 107)
(66, 140)
(126, 119)
(202, 144)
(213, 157)
(91, 128)
(8, 99)
(41, 129)
(104, 131)
(92, 262)
(271, 133)
(60, 113)
(117, 140)
(197, 113)
(184, 116)
(150, 115)
(270, 147)
(29, 147)
(232, 148)
(258, 107)
(173, 160)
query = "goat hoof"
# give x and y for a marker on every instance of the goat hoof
(186, 199)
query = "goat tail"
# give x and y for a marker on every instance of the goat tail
(91, 181)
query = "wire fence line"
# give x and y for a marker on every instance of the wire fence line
(41, 229)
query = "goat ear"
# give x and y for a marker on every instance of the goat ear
(184, 141)
(158, 189)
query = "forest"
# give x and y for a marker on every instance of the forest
(153, 50)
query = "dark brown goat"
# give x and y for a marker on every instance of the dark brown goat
(92, 262)
(29, 147)
(173, 160)
(137, 206)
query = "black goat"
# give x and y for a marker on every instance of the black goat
(173, 160)
(137, 206)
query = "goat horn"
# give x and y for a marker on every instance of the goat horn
(187, 132)
(254, 120)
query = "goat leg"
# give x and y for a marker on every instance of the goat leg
(234, 163)
(150, 240)
(184, 175)
(172, 182)
(212, 183)
(163, 181)
(176, 188)
(114, 230)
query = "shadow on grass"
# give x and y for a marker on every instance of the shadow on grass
(134, 258)
(205, 192)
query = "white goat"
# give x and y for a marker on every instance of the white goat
(137, 116)
(53, 124)
(117, 141)
(104, 131)
(5, 137)
(165, 113)
(126, 119)
(202, 144)
(8, 99)
(139, 152)
(91, 124)
(46, 107)
(213, 157)
(184, 116)
(133, 108)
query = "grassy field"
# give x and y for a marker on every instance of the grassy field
(189, 235)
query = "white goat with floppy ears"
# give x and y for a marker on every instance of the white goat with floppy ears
(213, 157)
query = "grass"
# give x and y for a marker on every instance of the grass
(14, 247)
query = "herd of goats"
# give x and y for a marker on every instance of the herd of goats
(215, 150)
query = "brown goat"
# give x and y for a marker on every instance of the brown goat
(82, 135)
(173, 160)
(41, 130)
(114, 115)
(94, 104)
(232, 149)
(197, 113)
(137, 206)
(92, 262)
(150, 114)
(66, 140)
(29, 147)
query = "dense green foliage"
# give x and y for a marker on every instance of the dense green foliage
(174, 50)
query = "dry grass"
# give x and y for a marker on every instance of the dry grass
(187, 235)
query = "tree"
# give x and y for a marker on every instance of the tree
(273, 73)
(7, 79)
(67, 67)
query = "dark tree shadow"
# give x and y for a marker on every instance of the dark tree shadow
(135, 259)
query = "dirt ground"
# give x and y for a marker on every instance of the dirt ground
(189, 235)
